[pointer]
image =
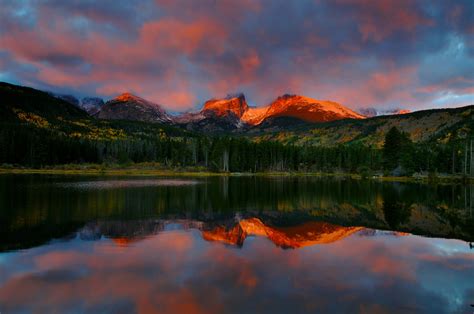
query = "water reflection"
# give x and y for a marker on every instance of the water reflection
(233, 245)
(177, 270)
(36, 209)
(232, 232)
(396, 210)
(117, 184)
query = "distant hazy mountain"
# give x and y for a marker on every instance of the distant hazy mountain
(374, 112)
(68, 98)
(91, 105)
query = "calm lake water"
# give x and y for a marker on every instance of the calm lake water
(78, 244)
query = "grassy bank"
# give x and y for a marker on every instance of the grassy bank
(145, 169)
(155, 169)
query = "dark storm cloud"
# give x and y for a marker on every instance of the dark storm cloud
(178, 53)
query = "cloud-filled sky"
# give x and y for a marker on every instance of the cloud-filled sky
(362, 53)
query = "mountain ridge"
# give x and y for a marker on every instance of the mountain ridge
(229, 114)
(239, 115)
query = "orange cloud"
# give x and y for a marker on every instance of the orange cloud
(185, 37)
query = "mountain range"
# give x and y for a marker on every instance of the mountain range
(290, 119)
(227, 114)
(231, 112)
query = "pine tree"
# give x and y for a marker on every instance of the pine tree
(391, 149)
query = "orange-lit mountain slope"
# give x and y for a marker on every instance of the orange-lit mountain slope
(308, 109)
(223, 107)
(293, 106)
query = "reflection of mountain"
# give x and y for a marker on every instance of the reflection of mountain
(376, 233)
(42, 212)
(232, 231)
(306, 234)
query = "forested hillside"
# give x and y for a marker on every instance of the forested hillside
(439, 125)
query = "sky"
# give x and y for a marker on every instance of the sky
(385, 54)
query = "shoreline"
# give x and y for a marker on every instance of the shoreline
(138, 171)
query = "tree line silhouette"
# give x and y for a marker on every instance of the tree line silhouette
(26, 145)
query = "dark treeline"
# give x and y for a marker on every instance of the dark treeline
(36, 147)
(401, 156)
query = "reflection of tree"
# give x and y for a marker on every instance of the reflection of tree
(395, 211)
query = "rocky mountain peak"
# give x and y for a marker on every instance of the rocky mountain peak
(236, 105)
(130, 107)
(128, 97)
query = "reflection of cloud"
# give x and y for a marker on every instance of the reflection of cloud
(114, 184)
(177, 271)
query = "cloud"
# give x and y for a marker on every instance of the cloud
(180, 53)
(378, 20)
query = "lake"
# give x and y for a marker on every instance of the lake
(80, 244)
